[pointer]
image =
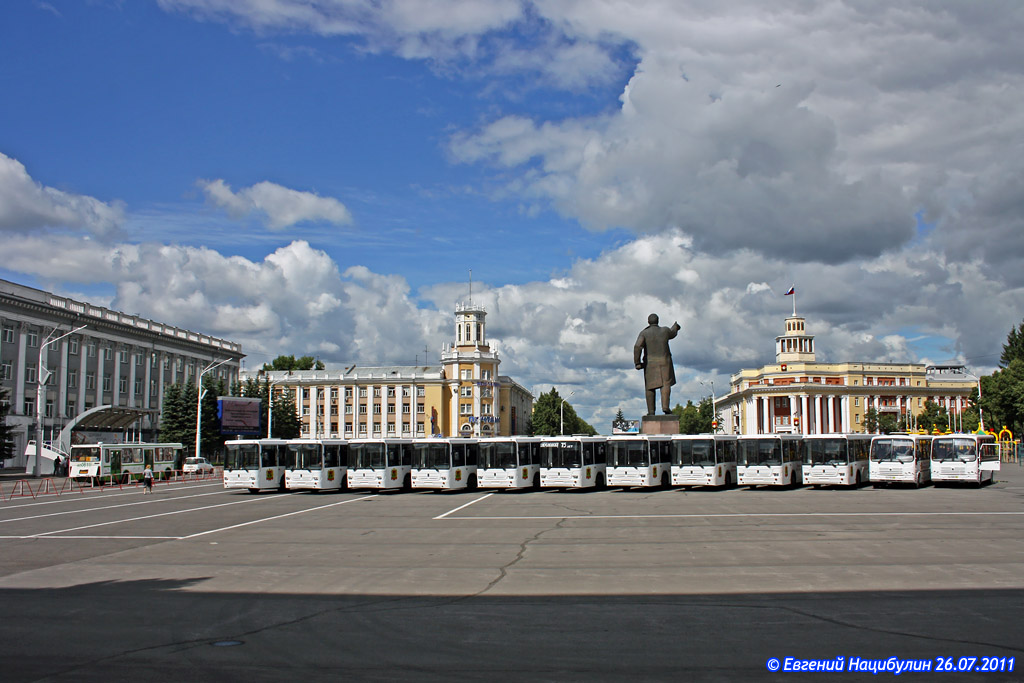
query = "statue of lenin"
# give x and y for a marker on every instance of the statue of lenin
(651, 354)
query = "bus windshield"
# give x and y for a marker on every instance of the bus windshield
(827, 452)
(694, 452)
(561, 454)
(306, 456)
(367, 456)
(88, 454)
(242, 456)
(431, 456)
(892, 450)
(760, 452)
(964, 450)
(632, 453)
(498, 455)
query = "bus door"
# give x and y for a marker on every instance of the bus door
(988, 456)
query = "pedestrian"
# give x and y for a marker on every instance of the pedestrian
(147, 480)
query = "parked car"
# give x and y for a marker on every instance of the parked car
(197, 466)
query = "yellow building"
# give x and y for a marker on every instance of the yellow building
(797, 394)
(464, 395)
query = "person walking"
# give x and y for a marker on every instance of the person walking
(147, 480)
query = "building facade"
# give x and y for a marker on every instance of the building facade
(799, 395)
(463, 396)
(118, 360)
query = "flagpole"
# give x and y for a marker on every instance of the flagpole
(794, 302)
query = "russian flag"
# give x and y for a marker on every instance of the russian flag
(792, 290)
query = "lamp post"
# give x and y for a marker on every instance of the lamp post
(561, 413)
(200, 394)
(981, 416)
(714, 412)
(41, 376)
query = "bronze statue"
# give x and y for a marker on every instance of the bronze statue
(651, 354)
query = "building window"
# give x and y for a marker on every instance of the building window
(420, 409)
(405, 409)
(73, 346)
(108, 353)
(90, 351)
(376, 409)
(485, 374)
(8, 335)
(122, 385)
(362, 392)
(108, 382)
(465, 409)
(30, 373)
(391, 427)
(122, 356)
(391, 409)
(29, 406)
(362, 427)
(69, 411)
(348, 392)
(72, 379)
(362, 409)
(376, 427)
(485, 408)
(348, 409)
(466, 392)
(5, 370)
(90, 380)
(421, 392)
(32, 338)
(391, 392)
(467, 374)
(49, 408)
(138, 386)
(419, 427)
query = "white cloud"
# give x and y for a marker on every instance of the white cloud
(26, 204)
(281, 207)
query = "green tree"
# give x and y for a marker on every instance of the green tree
(1003, 397)
(548, 414)
(887, 423)
(286, 424)
(620, 422)
(293, 363)
(6, 432)
(695, 419)
(178, 415)
(933, 417)
(1013, 349)
(871, 421)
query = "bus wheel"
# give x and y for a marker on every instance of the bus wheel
(254, 490)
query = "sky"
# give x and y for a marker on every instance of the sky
(326, 177)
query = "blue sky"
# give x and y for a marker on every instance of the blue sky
(320, 177)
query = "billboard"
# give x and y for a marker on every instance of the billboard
(239, 415)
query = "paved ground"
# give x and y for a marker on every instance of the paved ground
(198, 583)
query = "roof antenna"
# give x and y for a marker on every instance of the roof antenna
(470, 286)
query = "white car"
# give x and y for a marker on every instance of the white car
(196, 466)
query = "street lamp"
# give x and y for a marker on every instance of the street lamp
(200, 394)
(561, 413)
(714, 411)
(981, 417)
(41, 376)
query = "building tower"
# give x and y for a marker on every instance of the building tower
(471, 371)
(795, 346)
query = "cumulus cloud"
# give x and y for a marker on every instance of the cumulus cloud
(26, 204)
(281, 207)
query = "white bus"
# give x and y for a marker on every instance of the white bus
(836, 459)
(769, 460)
(509, 462)
(704, 459)
(316, 465)
(103, 463)
(255, 464)
(900, 458)
(638, 460)
(965, 457)
(444, 463)
(572, 461)
(380, 464)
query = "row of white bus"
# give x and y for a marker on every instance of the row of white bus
(627, 460)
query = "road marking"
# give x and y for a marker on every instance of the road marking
(71, 497)
(760, 515)
(465, 506)
(147, 501)
(139, 519)
(267, 519)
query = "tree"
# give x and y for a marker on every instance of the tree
(178, 415)
(933, 418)
(548, 414)
(887, 423)
(293, 363)
(286, 424)
(1003, 397)
(871, 421)
(620, 422)
(1013, 349)
(695, 419)
(6, 432)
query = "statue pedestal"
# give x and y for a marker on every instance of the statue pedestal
(659, 424)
